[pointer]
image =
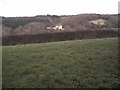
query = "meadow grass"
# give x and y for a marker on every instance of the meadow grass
(67, 64)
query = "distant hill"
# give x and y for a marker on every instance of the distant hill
(41, 23)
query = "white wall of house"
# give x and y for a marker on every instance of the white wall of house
(57, 27)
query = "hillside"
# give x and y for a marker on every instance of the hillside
(68, 64)
(48, 23)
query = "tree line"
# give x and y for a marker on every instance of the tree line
(61, 36)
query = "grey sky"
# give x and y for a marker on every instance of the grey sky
(56, 7)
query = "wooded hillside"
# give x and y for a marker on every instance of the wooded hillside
(38, 24)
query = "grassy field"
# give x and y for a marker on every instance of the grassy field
(70, 64)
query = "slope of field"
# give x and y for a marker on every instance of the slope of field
(79, 63)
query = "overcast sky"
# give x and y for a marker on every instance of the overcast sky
(56, 7)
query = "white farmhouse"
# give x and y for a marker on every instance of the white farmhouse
(58, 27)
(49, 28)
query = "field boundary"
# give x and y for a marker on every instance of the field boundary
(61, 36)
